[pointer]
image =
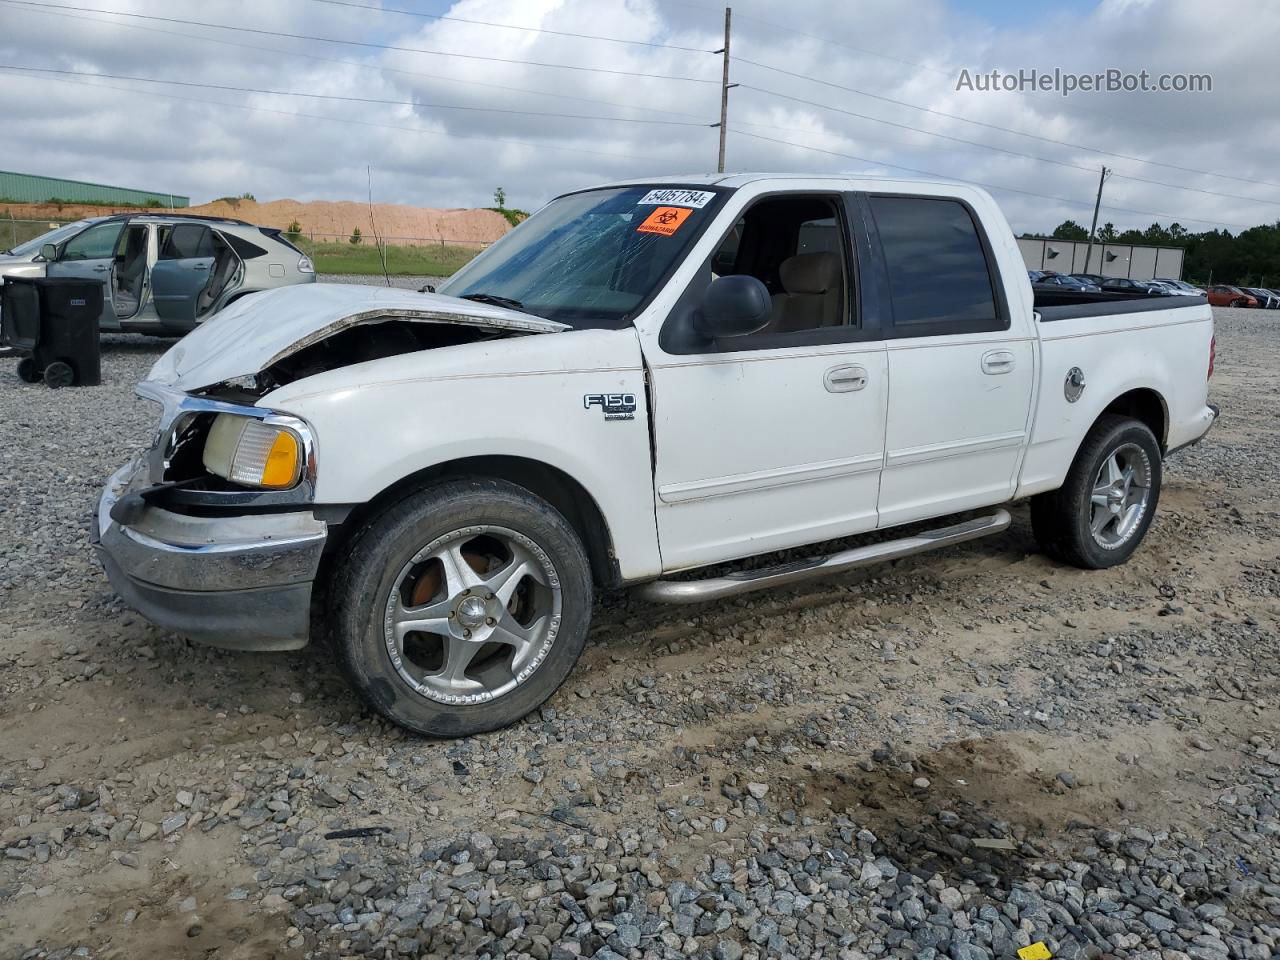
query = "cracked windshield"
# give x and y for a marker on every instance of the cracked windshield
(590, 259)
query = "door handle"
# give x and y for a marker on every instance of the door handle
(996, 362)
(101, 269)
(199, 266)
(845, 379)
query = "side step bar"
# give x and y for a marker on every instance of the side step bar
(746, 581)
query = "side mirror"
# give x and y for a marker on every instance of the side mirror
(733, 307)
(49, 252)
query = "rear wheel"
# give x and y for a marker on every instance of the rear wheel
(1101, 513)
(463, 607)
(59, 374)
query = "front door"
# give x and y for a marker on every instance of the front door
(961, 379)
(773, 439)
(182, 272)
(90, 256)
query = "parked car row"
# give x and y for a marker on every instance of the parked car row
(1263, 298)
(1095, 283)
(163, 274)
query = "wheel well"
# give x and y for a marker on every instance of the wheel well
(550, 483)
(1146, 406)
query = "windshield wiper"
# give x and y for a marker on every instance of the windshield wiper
(493, 299)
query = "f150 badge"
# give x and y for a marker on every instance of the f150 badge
(615, 406)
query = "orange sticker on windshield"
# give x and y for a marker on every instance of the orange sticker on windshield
(664, 220)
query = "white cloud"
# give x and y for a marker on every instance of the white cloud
(209, 143)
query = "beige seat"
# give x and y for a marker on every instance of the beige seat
(812, 298)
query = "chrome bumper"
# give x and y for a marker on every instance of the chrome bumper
(240, 582)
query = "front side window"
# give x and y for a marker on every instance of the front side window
(939, 279)
(590, 259)
(96, 243)
(795, 245)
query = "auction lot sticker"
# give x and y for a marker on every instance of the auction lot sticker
(684, 198)
(665, 220)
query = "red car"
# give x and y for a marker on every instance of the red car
(1222, 296)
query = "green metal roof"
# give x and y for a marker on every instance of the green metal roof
(32, 188)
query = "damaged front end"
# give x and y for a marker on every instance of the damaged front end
(213, 531)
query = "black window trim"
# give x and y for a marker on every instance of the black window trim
(676, 338)
(890, 331)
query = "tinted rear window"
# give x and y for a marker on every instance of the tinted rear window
(937, 268)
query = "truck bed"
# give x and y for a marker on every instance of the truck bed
(1062, 304)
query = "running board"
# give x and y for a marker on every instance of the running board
(746, 581)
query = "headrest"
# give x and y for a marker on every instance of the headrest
(810, 273)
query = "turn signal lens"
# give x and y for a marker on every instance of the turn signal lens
(253, 453)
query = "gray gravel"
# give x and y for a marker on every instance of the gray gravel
(963, 755)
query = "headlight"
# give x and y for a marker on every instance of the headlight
(305, 265)
(254, 453)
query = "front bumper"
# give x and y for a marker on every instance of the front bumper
(238, 582)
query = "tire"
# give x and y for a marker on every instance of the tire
(408, 564)
(59, 374)
(1063, 520)
(27, 371)
(1237, 303)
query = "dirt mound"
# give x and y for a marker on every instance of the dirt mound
(322, 221)
(330, 221)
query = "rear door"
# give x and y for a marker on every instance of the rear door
(182, 272)
(89, 256)
(961, 373)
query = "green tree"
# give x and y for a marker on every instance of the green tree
(1107, 232)
(355, 238)
(500, 198)
(1069, 230)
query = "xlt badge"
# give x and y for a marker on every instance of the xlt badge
(615, 406)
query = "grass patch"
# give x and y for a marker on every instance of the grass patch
(362, 259)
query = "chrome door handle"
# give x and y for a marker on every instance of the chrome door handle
(101, 269)
(996, 362)
(845, 379)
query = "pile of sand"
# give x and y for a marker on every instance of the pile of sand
(326, 221)
(320, 220)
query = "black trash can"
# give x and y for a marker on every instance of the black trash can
(54, 321)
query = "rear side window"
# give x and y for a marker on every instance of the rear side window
(939, 278)
(243, 248)
(187, 241)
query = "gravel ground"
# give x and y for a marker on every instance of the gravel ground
(967, 753)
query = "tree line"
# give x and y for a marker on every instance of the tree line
(1248, 258)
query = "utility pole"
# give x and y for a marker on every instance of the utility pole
(725, 85)
(1093, 227)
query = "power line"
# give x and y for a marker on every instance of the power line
(331, 96)
(992, 147)
(978, 183)
(222, 104)
(507, 26)
(364, 43)
(993, 126)
(363, 65)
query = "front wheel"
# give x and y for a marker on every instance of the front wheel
(463, 607)
(1099, 516)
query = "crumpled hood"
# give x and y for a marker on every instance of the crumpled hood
(260, 329)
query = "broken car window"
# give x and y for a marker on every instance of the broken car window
(589, 259)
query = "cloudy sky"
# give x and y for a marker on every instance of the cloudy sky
(865, 87)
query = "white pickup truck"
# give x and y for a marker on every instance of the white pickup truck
(641, 380)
